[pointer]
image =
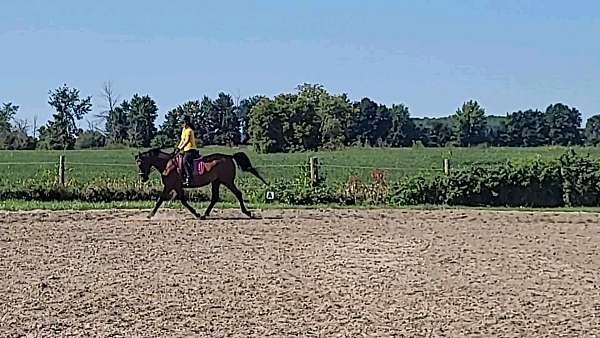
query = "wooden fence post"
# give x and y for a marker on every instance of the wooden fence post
(446, 166)
(61, 170)
(314, 171)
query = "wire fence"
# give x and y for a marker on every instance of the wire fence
(83, 170)
(378, 168)
(266, 166)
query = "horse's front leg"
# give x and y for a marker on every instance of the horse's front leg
(161, 198)
(181, 195)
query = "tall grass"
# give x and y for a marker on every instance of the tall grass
(89, 165)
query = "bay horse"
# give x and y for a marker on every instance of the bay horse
(220, 169)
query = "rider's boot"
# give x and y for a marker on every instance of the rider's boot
(187, 181)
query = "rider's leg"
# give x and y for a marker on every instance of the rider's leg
(187, 166)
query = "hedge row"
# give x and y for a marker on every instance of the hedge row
(98, 190)
(571, 180)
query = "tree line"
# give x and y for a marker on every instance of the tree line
(309, 119)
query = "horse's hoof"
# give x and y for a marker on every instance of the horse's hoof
(202, 218)
(150, 216)
(249, 214)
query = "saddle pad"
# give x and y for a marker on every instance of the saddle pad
(199, 166)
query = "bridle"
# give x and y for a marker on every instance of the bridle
(141, 173)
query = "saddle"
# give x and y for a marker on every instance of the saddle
(199, 165)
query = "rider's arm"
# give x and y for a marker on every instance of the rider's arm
(183, 143)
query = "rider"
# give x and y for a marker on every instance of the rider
(187, 145)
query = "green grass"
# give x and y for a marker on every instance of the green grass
(18, 205)
(89, 164)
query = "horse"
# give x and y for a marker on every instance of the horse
(220, 169)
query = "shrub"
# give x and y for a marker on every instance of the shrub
(90, 139)
(534, 184)
(419, 189)
(376, 192)
(580, 180)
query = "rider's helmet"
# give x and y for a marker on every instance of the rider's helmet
(186, 120)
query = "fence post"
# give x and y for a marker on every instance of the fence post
(314, 171)
(446, 166)
(61, 170)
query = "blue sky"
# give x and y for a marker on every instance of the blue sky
(429, 55)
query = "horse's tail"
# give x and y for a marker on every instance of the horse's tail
(243, 162)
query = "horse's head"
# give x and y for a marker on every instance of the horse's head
(144, 166)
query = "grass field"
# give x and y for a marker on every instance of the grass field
(337, 165)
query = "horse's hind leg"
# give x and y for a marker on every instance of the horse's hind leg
(238, 194)
(213, 199)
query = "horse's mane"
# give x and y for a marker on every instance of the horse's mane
(154, 152)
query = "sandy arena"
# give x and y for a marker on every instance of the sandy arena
(322, 273)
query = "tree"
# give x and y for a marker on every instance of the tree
(69, 108)
(403, 131)
(563, 125)
(370, 124)
(170, 130)
(526, 128)
(60, 133)
(13, 132)
(110, 102)
(243, 115)
(34, 128)
(117, 126)
(21, 125)
(53, 136)
(141, 116)
(266, 127)
(334, 113)
(470, 124)
(207, 121)
(161, 141)
(433, 132)
(286, 123)
(7, 113)
(302, 118)
(592, 130)
(497, 135)
(227, 122)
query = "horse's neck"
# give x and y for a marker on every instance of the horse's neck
(160, 163)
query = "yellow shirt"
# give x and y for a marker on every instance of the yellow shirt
(187, 133)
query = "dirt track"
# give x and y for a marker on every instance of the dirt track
(300, 273)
